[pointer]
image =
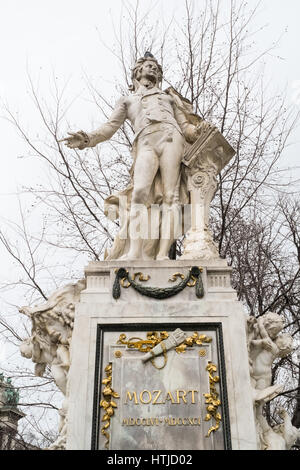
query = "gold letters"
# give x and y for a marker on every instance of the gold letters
(161, 421)
(183, 397)
(156, 397)
(159, 397)
(193, 394)
(128, 395)
(170, 397)
(149, 396)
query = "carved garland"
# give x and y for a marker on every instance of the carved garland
(193, 279)
(107, 403)
(212, 399)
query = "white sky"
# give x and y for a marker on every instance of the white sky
(61, 35)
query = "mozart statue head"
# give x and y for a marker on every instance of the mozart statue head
(147, 71)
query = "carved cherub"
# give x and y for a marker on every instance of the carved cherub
(64, 297)
(289, 432)
(265, 346)
(265, 350)
(280, 437)
(49, 343)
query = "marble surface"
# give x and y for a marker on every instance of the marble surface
(219, 305)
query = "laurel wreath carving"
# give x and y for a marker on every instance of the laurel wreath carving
(193, 279)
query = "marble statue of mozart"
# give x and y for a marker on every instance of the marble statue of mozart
(164, 125)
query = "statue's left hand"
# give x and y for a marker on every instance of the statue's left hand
(194, 132)
(202, 127)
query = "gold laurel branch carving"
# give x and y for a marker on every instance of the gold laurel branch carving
(176, 276)
(107, 403)
(142, 277)
(155, 337)
(192, 283)
(212, 399)
(193, 340)
(123, 281)
(143, 345)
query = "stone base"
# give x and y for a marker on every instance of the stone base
(199, 244)
(219, 306)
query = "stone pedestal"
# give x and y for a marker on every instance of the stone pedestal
(184, 381)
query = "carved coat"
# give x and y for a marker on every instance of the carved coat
(144, 109)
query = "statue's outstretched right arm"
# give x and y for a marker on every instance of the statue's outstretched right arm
(82, 139)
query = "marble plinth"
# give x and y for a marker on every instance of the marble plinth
(218, 314)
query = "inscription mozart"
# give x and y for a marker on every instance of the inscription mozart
(159, 397)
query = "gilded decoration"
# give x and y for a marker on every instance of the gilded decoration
(143, 345)
(212, 399)
(194, 340)
(107, 403)
(153, 338)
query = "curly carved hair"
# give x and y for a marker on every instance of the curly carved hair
(138, 67)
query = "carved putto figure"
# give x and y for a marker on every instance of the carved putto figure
(265, 347)
(49, 343)
(265, 344)
(280, 437)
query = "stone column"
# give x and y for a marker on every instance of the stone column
(202, 184)
(204, 161)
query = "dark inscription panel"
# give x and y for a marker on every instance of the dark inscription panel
(174, 400)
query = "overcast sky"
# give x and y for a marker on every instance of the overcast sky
(63, 36)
